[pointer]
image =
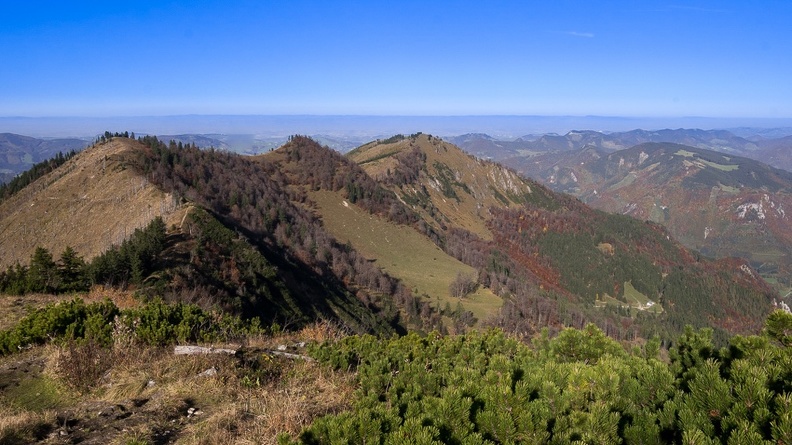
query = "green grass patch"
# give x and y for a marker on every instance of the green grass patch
(658, 214)
(34, 391)
(721, 167)
(635, 301)
(629, 179)
(387, 154)
(403, 253)
(768, 256)
(640, 301)
(729, 189)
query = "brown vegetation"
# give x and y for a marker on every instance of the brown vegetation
(150, 395)
(93, 201)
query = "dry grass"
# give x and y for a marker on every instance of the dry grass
(23, 426)
(242, 403)
(245, 411)
(257, 415)
(123, 299)
(323, 330)
(96, 189)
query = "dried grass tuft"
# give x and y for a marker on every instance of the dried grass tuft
(23, 426)
(124, 299)
(323, 330)
(256, 415)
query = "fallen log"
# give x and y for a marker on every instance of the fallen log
(289, 355)
(195, 350)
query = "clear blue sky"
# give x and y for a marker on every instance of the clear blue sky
(619, 58)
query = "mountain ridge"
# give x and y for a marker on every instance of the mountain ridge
(549, 260)
(520, 152)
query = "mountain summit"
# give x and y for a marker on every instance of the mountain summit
(442, 183)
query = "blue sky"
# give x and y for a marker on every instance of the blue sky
(630, 58)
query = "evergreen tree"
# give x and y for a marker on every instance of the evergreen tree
(42, 275)
(14, 280)
(72, 271)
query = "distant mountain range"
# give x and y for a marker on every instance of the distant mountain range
(543, 149)
(773, 146)
(19, 153)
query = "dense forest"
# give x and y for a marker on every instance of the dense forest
(585, 243)
(551, 266)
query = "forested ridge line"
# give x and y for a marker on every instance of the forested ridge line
(255, 200)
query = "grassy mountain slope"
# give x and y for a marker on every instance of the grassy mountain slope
(93, 201)
(404, 253)
(437, 180)
(555, 260)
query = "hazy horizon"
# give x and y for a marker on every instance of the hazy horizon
(364, 125)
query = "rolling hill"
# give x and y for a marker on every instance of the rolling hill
(379, 240)
(553, 257)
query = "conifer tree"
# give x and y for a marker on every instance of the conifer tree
(72, 271)
(42, 275)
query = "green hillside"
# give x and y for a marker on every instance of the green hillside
(404, 253)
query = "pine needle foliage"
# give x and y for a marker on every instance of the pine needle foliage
(579, 387)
